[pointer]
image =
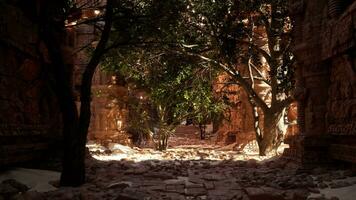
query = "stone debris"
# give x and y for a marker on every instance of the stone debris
(195, 178)
(121, 184)
(10, 188)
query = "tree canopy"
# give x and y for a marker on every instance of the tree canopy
(247, 40)
(178, 43)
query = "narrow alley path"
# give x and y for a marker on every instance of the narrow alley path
(181, 174)
(194, 169)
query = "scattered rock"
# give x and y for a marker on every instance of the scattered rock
(340, 184)
(196, 191)
(314, 190)
(323, 185)
(213, 177)
(209, 185)
(160, 175)
(30, 195)
(6, 190)
(264, 193)
(19, 186)
(184, 175)
(174, 182)
(120, 185)
(252, 163)
(319, 197)
(132, 195)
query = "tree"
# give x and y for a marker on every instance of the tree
(132, 25)
(75, 126)
(141, 40)
(139, 122)
(249, 41)
(208, 106)
(175, 89)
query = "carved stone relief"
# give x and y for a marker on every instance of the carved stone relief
(28, 104)
(325, 50)
(342, 97)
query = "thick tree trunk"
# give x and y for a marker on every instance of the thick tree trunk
(73, 173)
(72, 169)
(75, 129)
(266, 142)
(270, 125)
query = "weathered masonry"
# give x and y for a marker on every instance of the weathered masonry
(29, 112)
(324, 45)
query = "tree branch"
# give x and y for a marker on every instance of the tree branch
(251, 73)
(286, 102)
(257, 49)
(85, 89)
(235, 75)
(258, 78)
(256, 118)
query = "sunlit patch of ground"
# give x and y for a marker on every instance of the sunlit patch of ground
(188, 152)
(196, 173)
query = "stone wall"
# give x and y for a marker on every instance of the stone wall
(29, 113)
(324, 45)
(109, 110)
(238, 125)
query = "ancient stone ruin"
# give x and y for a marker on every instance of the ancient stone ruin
(29, 111)
(321, 156)
(324, 45)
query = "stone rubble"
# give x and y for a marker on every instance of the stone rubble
(132, 178)
(10, 188)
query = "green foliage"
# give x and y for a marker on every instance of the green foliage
(174, 83)
(176, 88)
(173, 49)
(138, 122)
(230, 31)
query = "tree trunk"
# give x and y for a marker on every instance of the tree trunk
(51, 32)
(72, 169)
(268, 139)
(202, 128)
(75, 129)
(162, 140)
(85, 94)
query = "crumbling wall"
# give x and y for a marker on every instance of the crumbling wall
(324, 45)
(29, 112)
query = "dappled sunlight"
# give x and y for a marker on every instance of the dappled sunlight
(189, 152)
(188, 173)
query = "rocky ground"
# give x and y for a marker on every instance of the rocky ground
(122, 173)
(191, 169)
